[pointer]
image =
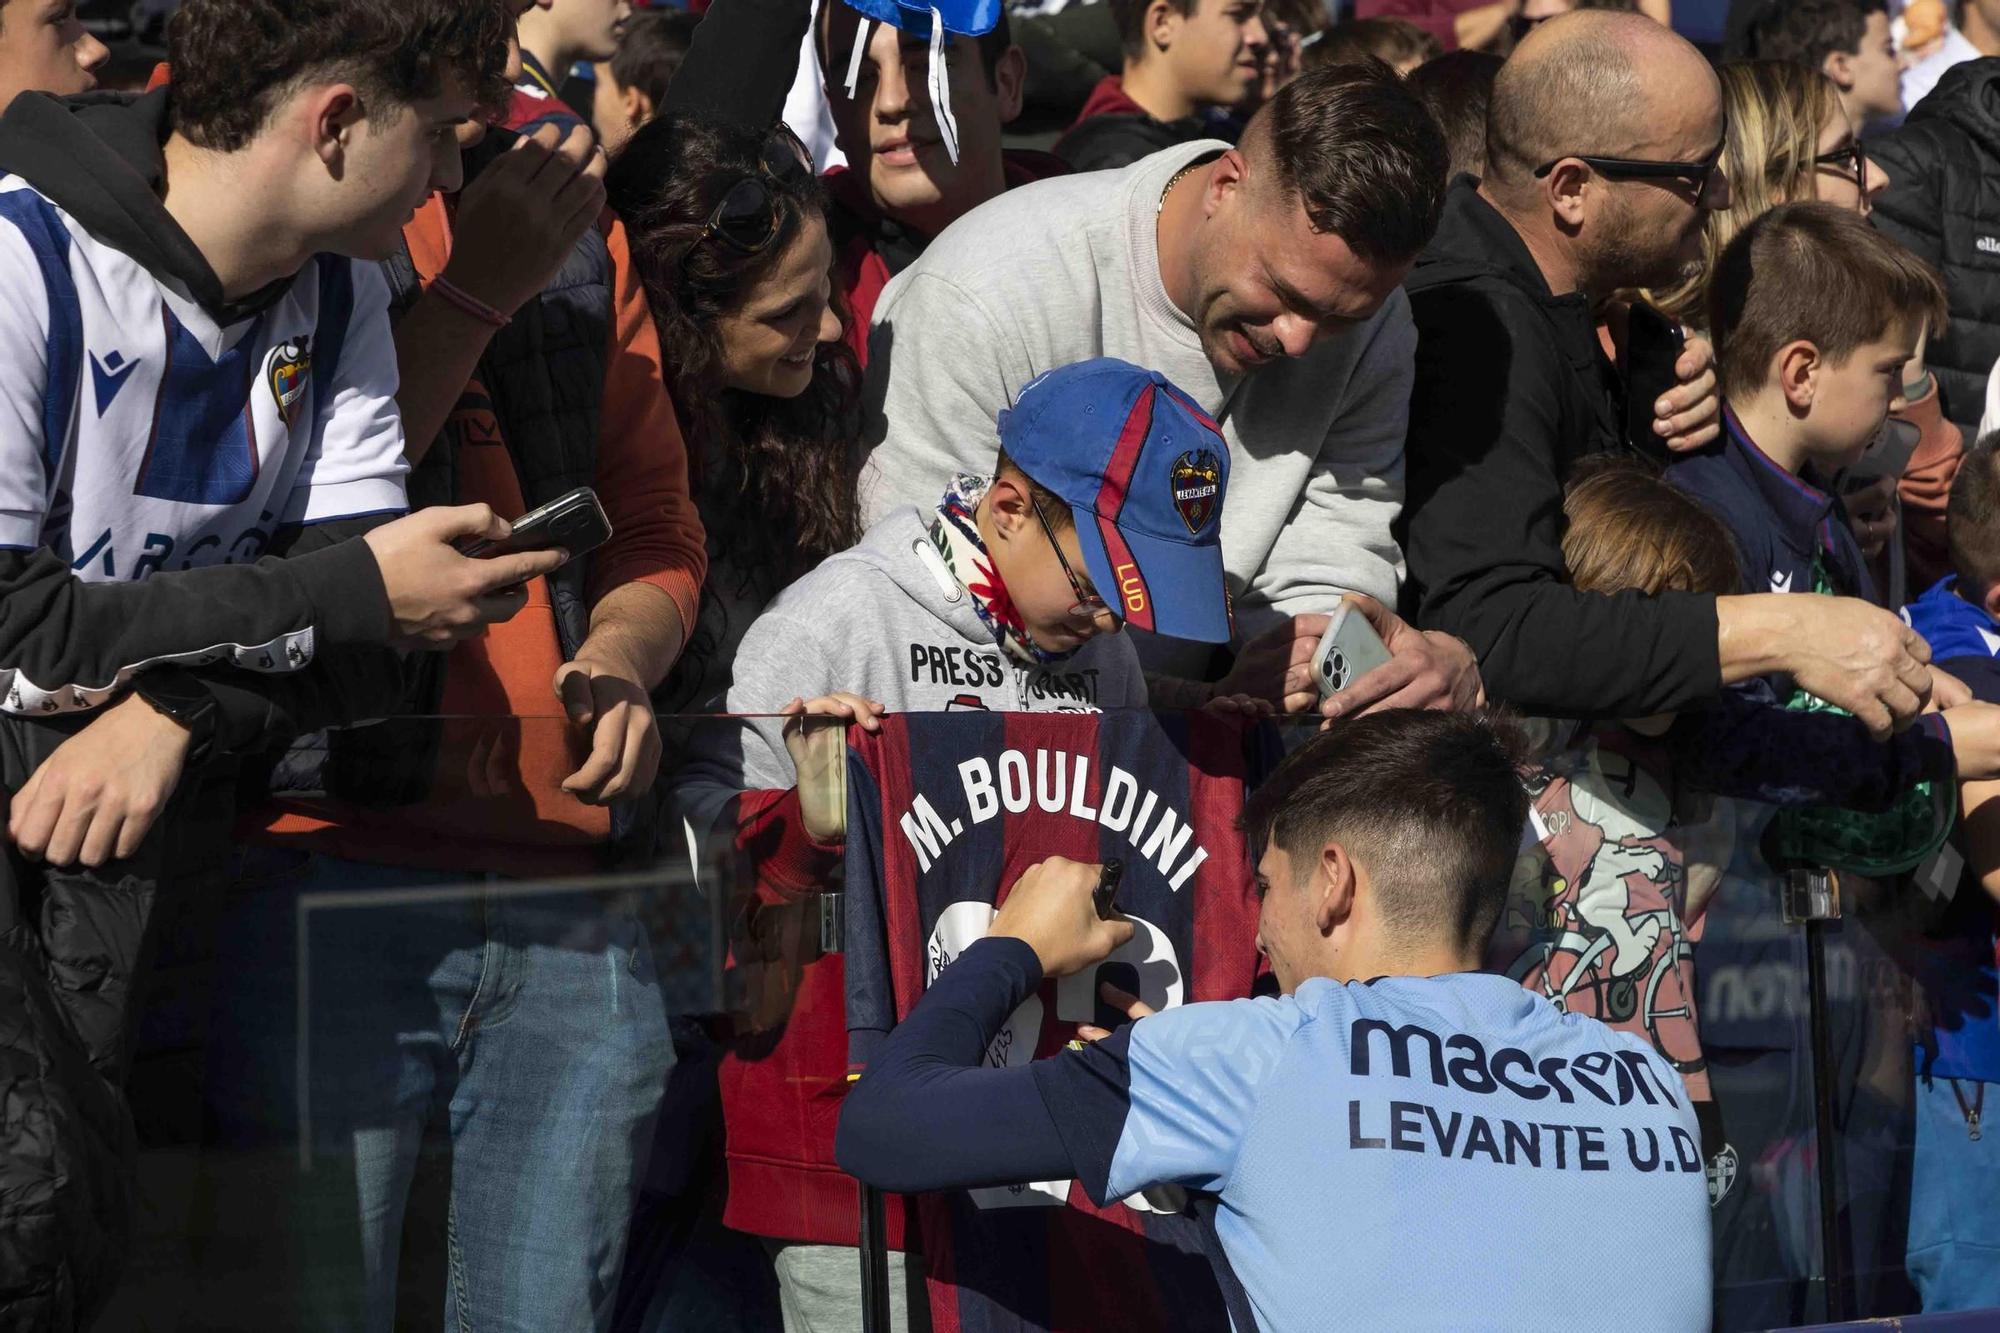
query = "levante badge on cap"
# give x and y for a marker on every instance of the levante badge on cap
(965, 18)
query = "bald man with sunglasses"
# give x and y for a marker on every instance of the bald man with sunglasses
(1604, 143)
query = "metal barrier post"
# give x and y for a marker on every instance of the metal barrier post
(1812, 898)
(874, 1263)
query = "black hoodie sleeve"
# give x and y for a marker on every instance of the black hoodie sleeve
(1483, 534)
(69, 646)
(741, 62)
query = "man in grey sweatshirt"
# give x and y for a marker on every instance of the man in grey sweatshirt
(1264, 280)
(1005, 591)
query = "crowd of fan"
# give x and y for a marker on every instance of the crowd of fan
(1623, 389)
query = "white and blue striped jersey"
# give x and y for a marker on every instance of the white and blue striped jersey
(139, 435)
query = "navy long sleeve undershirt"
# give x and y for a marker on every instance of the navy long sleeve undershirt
(929, 1114)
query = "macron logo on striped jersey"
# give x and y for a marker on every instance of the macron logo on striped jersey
(110, 375)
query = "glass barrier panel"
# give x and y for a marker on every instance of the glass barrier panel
(426, 1037)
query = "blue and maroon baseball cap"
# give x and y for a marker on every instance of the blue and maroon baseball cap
(1143, 471)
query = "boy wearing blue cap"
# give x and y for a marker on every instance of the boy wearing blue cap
(1103, 509)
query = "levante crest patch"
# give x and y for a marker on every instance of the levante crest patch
(285, 371)
(1197, 482)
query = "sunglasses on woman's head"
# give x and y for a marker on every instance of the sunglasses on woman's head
(750, 216)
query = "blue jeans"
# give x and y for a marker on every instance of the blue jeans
(1954, 1256)
(518, 1039)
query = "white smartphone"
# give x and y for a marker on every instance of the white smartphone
(1349, 650)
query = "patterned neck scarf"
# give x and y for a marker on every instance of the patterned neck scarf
(955, 533)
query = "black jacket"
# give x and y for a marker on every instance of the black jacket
(69, 953)
(100, 159)
(1943, 202)
(1511, 391)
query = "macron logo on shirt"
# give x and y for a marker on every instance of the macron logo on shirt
(110, 375)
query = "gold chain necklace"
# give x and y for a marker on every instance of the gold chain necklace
(1176, 181)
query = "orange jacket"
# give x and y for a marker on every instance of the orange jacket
(496, 803)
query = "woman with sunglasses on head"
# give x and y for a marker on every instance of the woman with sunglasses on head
(729, 239)
(729, 236)
(1788, 139)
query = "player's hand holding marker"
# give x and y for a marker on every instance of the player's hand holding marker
(1053, 909)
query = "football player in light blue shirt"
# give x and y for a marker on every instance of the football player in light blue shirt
(1397, 1140)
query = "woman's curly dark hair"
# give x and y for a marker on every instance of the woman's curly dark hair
(782, 498)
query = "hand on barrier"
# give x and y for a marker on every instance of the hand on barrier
(813, 737)
(1859, 657)
(96, 797)
(605, 695)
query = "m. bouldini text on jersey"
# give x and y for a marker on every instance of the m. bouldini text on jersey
(945, 810)
(151, 427)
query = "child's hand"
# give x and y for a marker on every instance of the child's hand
(1947, 691)
(1975, 740)
(813, 737)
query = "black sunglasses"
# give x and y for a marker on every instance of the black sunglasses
(1089, 606)
(1850, 160)
(751, 215)
(1696, 174)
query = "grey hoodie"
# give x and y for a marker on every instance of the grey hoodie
(888, 621)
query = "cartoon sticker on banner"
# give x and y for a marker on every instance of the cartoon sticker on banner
(1197, 481)
(285, 371)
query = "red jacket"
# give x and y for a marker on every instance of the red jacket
(858, 231)
(1108, 98)
(1436, 17)
(782, 1088)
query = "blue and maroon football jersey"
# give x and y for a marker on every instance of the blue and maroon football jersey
(947, 809)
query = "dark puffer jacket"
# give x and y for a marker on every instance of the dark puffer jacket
(1943, 201)
(69, 951)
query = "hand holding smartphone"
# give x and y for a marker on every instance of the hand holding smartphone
(574, 522)
(1349, 650)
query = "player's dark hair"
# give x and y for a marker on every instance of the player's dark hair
(1806, 32)
(234, 61)
(1362, 153)
(651, 51)
(992, 45)
(779, 493)
(1972, 518)
(1431, 804)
